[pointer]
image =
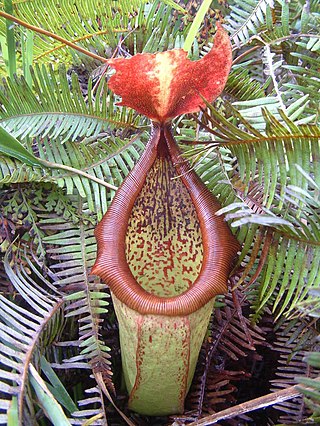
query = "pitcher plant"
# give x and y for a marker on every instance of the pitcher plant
(162, 249)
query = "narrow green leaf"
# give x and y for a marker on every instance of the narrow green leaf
(52, 409)
(196, 24)
(12, 147)
(8, 8)
(57, 388)
(13, 415)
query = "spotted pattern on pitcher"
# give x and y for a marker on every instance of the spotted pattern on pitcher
(164, 244)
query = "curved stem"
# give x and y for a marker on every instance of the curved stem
(240, 57)
(78, 172)
(84, 37)
(52, 35)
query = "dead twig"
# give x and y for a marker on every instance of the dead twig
(252, 405)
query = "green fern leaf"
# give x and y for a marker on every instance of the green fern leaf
(74, 252)
(286, 200)
(53, 110)
(245, 19)
(73, 21)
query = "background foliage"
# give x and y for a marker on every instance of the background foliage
(257, 148)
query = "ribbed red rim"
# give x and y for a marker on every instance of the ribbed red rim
(219, 245)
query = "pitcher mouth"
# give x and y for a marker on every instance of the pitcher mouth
(198, 267)
(164, 247)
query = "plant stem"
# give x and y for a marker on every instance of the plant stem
(78, 172)
(269, 56)
(196, 24)
(83, 37)
(52, 408)
(52, 35)
(252, 405)
(240, 57)
(102, 385)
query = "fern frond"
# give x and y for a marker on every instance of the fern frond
(24, 330)
(13, 171)
(242, 336)
(294, 73)
(304, 70)
(261, 156)
(232, 338)
(79, 120)
(294, 339)
(252, 110)
(92, 159)
(74, 22)
(241, 87)
(295, 95)
(312, 394)
(152, 35)
(92, 409)
(310, 309)
(245, 19)
(90, 156)
(288, 71)
(52, 109)
(290, 265)
(73, 251)
(311, 306)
